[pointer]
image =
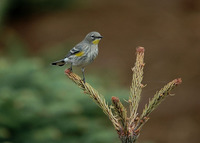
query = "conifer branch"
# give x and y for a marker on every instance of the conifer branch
(156, 100)
(136, 86)
(97, 98)
(128, 129)
(120, 111)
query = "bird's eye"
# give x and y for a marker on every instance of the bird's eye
(92, 36)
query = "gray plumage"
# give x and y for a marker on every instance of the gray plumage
(83, 53)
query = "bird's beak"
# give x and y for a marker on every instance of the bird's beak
(100, 37)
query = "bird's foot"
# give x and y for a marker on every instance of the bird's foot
(83, 80)
(71, 69)
(68, 71)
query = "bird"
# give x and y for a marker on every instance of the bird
(83, 53)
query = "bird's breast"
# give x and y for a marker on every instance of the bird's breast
(93, 53)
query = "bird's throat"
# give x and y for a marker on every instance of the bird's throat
(95, 42)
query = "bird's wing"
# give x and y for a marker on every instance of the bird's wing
(77, 50)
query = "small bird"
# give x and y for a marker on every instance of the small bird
(83, 53)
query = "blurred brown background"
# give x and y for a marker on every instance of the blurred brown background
(169, 31)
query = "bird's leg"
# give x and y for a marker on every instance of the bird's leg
(83, 70)
(70, 67)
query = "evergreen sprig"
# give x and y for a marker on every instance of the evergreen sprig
(128, 128)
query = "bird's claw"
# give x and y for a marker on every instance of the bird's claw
(71, 69)
(83, 80)
(68, 71)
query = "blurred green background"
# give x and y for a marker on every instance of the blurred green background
(39, 104)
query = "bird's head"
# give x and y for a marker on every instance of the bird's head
(93, 37)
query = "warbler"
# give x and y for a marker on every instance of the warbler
(83, 53)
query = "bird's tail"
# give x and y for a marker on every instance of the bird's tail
(59, 63)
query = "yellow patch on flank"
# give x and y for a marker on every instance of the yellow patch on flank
(79, 54)
(96, 41)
